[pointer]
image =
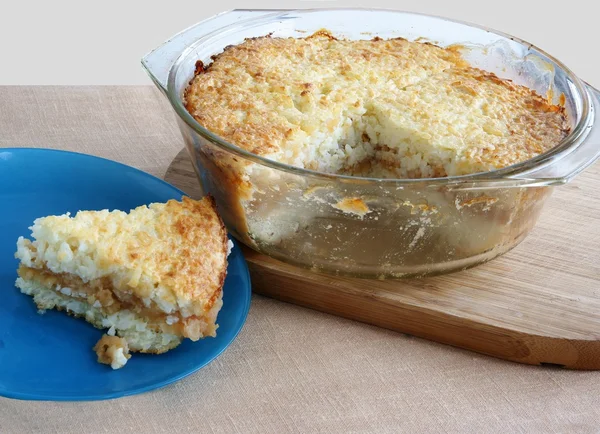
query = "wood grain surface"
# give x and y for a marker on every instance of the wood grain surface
(538, 304)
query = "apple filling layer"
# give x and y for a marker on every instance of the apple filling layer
(106, 300)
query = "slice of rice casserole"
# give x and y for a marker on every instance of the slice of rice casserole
(153, 276)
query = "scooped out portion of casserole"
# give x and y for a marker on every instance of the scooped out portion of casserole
(379, 108)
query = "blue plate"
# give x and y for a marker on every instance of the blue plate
(50, 356)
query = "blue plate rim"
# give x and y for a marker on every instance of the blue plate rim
(158, 385)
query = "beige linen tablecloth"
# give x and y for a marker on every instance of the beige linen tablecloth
(290, 369)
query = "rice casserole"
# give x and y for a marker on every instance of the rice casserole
(383, 108)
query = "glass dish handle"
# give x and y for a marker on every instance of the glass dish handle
(581, 157)
(556, 172)
(158, 62)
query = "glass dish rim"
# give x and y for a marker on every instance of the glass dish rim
(568, 144)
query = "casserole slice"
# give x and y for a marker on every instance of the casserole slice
(153, 276)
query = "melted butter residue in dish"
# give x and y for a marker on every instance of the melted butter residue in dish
(353, 205)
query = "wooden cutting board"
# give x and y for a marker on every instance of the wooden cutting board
(538, 304)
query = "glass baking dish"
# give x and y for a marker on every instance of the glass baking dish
(378, 228)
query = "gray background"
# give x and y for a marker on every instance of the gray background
(75, 42)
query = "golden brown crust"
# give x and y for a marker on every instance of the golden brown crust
(198, 270)
(500, 123)
(247, 78)
(267, 94)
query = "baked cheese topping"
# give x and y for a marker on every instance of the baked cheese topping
(383, 108)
